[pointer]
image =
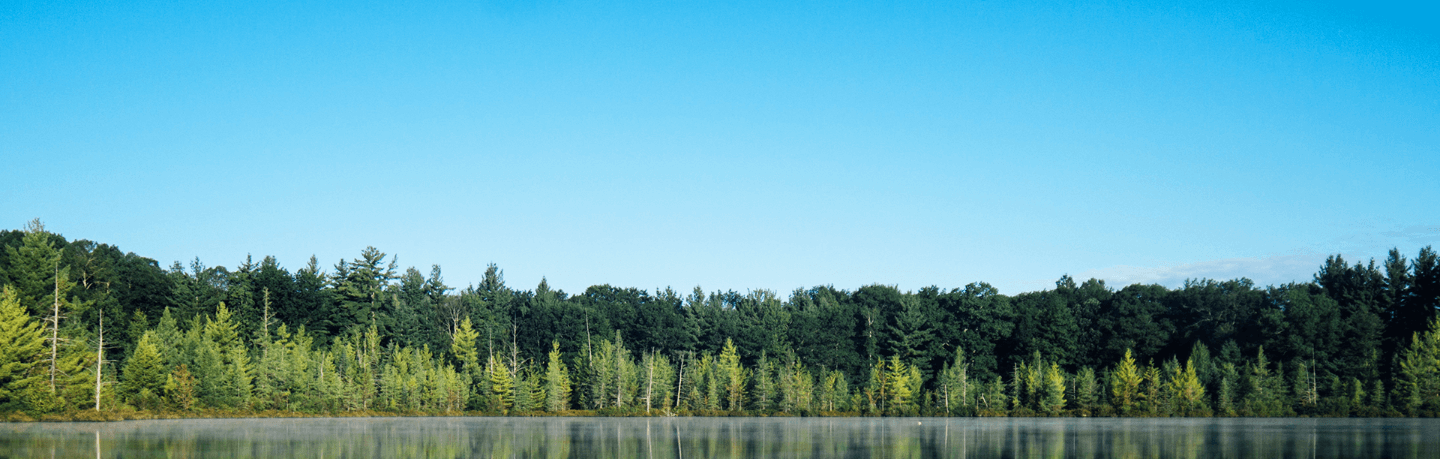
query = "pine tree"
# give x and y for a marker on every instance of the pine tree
(733, 376)
(32, 269)
(145, 373)
(1086, 390)
(21, 342)
(1125, 384)
(502, 384)
(1054, 399)
(1186, 390)
(1225, 399)
(955, 383)
(467, 356)
(180, 388)
(1420, 371)
(763, 395)
(897, 385)
(557, 381)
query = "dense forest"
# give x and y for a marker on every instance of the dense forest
(87, 326)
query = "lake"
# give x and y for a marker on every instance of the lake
(681, 438)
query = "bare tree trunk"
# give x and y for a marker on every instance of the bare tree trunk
(650, 381)
(99, 359)
(679, 380)
(55, 330)
(266, 321)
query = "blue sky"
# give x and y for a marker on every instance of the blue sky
(731, 145)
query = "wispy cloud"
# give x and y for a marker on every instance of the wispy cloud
(1272, 270)
(1297, 266)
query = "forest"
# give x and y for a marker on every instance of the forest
(87, 327)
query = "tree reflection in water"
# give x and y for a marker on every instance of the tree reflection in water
(687, 438)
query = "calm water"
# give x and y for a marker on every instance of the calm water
(728, 438)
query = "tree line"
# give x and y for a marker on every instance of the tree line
(86, 326)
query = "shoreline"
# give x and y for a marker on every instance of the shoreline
(117, 416)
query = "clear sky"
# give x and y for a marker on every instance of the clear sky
(731, 145)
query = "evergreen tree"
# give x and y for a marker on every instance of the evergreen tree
(1420, 371)
(463, 348)
(1087, 391)
(733, 376)
(955, 383)
(21, 344)
(1125, 384)
(762, 395)
(144, 373)
(1186, 390)
(898, 389)
(502, 384)
(1054, 390)
(32, 268)
(557, 380)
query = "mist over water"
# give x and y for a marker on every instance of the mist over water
(728, 437)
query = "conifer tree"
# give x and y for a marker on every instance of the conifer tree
(763, 395)
(1054, 400)
(1086, 391)
(1225, 398)
(144, 373)
(557, 381)
(955, 383)
(1125, 384)
(502, 384)
(32, 269)
(1186, 390)
(463, 346)
(898, 389)
(180, 388)
(1420, 371)
(21, 343)
(733, 376)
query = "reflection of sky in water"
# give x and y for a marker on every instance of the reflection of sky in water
(727, 437)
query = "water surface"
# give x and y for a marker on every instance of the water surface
(728, 438)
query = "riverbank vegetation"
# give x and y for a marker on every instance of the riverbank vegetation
(88, 332)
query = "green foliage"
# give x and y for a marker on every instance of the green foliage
(1264, 389)
(1125, 384)
(1087, 390)
(1053, 398)
(732, 376)
(21, 344)
(361, 337)
(557, 381)
(954, 384)
(502, 384)
(1186, 391)
(1420, 371)
(144, 374)
(32, 269)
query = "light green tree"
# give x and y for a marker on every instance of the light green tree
(502, 384)
(1419, 382)
(762, 395)
(899, 389)
(21, 344)
(144, 373)
(1125, 384)
(955, 383)
(557, 381)
(1054, 389)
(1087, 392)
(1186, 390)
(733, 376)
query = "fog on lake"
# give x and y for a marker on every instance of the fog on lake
(464, 437)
